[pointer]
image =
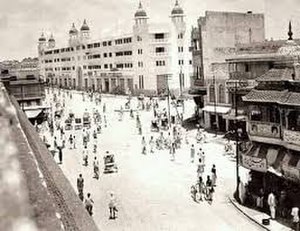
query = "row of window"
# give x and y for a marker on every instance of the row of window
(123, 53)
(124, 65)
(180, 49)
(123, 41)
(160, 63)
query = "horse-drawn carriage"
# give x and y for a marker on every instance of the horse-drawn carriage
(68, 124)
(154, 126)
(109, 164)
(78, 124)
(86, 120)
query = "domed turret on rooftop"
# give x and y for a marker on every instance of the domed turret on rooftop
(177, 10)
(73, 29)
(42, 38)
(140, 12)
(84, 26)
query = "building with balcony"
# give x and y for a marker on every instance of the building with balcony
(273, 125)
(149, 59)
(216, 38)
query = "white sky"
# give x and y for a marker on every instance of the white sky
(22, 21)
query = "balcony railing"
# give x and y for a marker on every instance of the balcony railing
(264, 129)
(240, 75)
(291, 137)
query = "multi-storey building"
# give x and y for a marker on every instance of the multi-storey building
(150, 59)
(273, 125)
(22, 80)
(214, 40)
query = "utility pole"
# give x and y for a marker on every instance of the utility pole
(168, 91)
(237, 143)
(215, 105)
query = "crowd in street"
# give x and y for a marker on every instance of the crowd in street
(166, 135)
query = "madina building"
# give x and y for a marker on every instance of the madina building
(148, 59)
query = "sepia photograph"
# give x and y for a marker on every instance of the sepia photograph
(148, 115)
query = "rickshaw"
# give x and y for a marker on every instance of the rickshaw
(154, 126)
(78, 124)
(109, 164)
(68, 124)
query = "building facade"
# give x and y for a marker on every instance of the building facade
(273, 125)
(216, 38)
(150, 59)
(22, 80)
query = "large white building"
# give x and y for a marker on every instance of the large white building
(148, 60)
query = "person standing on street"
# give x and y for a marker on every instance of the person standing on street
(272, 205)
(80, 185)
(295, 218)
(112, 206)
(214, 175)
(192, 153)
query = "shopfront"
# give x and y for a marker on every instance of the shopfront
(273, 169)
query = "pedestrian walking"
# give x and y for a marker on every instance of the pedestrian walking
(151, 144)
(295, 218)
(96, 168)
(186, 137)
(200, 168)
(80, 185)
(85, 156)
(112, 206)
(209, 189)
(71, 141)
(74, 143)
(213, 175)
(272, 205)
(143, 145)
(172, 151)
(89, 204)
(201, 189)
(192, 153)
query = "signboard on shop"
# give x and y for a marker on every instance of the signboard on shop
(255, 163)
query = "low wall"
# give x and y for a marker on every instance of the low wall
(69, 207)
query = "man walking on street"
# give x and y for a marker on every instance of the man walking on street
(89, 204)
(80, 184)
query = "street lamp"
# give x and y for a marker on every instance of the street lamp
(238, 132)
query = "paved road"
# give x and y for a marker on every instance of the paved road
(153, 193)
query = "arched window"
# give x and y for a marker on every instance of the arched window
(221, 94)
(212, 93)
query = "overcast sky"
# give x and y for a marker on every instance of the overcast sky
(22, 21)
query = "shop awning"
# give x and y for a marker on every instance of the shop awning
(217, 109)
(32, 113)
(275, 159)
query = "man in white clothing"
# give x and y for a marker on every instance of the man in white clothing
(272, 204)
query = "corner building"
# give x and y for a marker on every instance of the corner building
(151, 59)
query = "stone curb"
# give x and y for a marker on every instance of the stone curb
(248, 216)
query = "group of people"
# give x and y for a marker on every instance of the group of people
(89, 202)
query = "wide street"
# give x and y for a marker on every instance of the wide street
(152, 192)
